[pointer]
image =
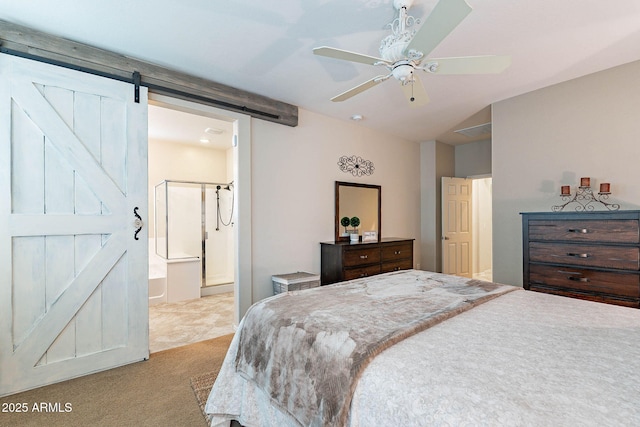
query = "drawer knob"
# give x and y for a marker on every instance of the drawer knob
(578, 230)
(364, 256)
(578, 279)
(397, 252)
(577, 255)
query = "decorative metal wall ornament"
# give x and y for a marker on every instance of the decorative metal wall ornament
(585, 200)
(356, 165)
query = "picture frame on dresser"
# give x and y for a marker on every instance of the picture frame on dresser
(588, 255)
(370, 236)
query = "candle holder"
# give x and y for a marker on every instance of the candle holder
(585, 199)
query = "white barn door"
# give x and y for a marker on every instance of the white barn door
(73, 270)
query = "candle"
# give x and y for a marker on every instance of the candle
(565, 190)
(605, 187)
(585, 182)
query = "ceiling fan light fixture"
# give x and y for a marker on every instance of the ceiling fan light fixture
(405, 49)
(403, 73)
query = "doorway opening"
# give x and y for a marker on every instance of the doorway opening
(482, 259)
(193, 237)
(467, 227)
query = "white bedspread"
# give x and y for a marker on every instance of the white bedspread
(523, 359)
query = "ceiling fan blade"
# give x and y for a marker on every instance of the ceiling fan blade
(444, 17)
(489, 64)
(345, 55)
(359, 89)
(415, 93)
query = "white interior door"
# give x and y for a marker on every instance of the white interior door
(73, 265)
(457, 226)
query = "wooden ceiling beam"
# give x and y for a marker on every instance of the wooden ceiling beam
(22, 41)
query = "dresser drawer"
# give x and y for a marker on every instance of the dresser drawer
(589, 296)
(349, 260)
(356, 273)
(619, 257)
(588, 230)
(397, 252)
(405, 264)
(361, 256)
(621, 284)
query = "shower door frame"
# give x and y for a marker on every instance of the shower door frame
(203, 219)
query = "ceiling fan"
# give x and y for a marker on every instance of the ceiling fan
(405, 51)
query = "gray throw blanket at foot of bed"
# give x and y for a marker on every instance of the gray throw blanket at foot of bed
(307, 349)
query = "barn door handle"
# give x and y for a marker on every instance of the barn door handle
(137, 223)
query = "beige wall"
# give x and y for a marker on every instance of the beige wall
(293, 176)
(473, 159)
(551, 137)
(436, 160)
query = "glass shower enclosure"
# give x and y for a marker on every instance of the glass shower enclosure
(195, 220)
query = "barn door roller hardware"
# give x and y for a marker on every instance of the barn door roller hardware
(136, 86)
(136, 79)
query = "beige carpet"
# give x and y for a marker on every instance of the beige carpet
(156, 392)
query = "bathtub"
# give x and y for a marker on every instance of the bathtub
(173, 280)
(157, 280)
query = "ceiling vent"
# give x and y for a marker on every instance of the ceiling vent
(475, 131)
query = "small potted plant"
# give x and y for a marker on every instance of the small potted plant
(355, 222)
(345, 221)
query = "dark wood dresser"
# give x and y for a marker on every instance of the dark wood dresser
(587, 255)
(345, 260)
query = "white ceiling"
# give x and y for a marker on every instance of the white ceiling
(185, 128)
(265, 47)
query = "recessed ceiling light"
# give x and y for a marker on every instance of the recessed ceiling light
(204, 140)
(357, 117)
(213, 131)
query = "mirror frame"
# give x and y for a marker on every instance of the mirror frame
(338, 237)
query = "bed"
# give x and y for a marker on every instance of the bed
(486, 354)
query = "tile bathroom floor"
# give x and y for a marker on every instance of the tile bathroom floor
(185, 322)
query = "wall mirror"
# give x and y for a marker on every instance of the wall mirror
(357, 200)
